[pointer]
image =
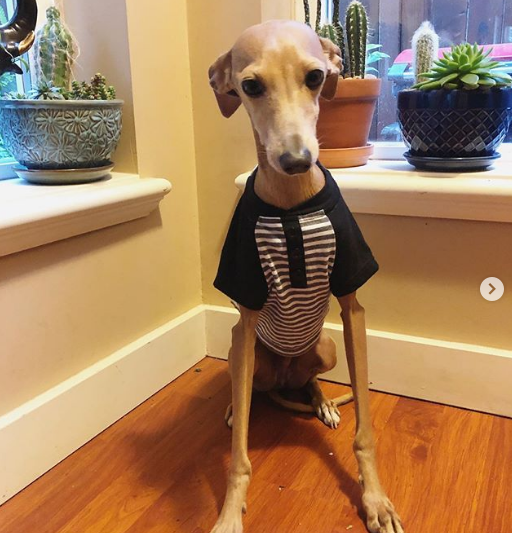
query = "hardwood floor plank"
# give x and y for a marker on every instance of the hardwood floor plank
(492, 503)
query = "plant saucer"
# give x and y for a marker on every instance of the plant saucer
(451, 164)
(66, 176)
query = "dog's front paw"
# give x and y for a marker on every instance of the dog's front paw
(228, 525)
(328, 413)
(381, 516)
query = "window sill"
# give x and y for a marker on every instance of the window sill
(33, 215)
(396, 188)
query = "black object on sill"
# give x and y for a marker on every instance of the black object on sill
(17, 36)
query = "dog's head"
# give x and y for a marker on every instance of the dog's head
(278, 70)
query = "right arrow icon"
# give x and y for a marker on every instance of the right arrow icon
(492, 289)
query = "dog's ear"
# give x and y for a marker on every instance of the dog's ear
(333, 57)
(220, 81)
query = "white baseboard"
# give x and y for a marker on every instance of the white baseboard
(462, 375)
(40, 433)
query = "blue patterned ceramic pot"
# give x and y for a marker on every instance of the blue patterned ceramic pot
(61, 134)
(454, 123)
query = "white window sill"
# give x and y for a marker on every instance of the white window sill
(33, 215)
(396, 188)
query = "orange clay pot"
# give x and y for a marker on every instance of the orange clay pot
(344, 123)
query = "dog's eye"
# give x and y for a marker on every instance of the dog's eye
(253, 88)
(314, 78)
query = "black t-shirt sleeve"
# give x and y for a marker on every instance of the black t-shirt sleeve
(354, 264)
(240, 275)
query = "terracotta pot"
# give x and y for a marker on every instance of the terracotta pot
(345, 121)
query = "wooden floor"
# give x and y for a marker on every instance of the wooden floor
(162, 469)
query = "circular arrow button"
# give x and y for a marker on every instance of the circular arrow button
(492, 289)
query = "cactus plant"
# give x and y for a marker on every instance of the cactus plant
(96, 90)
(425, 47)
(333, 31)
(357, 33)
(54, 51)
(307, 18)
(355, 60)
(464, 67)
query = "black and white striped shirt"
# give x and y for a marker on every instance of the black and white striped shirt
(286, 263)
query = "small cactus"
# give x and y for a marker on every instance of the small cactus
(307, 18)
(357, 33)
(96, 90)
(341, 36)
(425, 47)
(352, 41)
(318, 16)
(54, 52)
(333, 31)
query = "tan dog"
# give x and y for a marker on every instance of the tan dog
(278, 70)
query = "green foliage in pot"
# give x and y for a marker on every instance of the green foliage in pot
(352, 41)
(465, 67)
(97, 89)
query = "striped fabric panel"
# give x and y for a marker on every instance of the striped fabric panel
(292, 318)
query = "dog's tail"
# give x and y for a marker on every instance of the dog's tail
(299, 407)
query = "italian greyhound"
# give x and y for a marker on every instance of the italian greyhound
(283, 254)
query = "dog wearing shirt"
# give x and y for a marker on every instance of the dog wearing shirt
(292, 243)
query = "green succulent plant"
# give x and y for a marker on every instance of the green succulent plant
(464, 67)
(45, 91)
(96, 90)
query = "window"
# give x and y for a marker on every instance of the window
(9, 82)
(392, 24)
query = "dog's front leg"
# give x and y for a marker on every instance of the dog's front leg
(381, 515)
(241, 363)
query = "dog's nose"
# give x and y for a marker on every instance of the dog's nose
(296, 162)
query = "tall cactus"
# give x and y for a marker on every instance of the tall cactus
(357, 34)
(425, 47)
(54, 51)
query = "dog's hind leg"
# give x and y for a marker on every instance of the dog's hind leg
(325, 409)
(303, 372)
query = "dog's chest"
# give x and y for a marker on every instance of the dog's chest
(297, 256)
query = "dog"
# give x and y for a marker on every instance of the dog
(291, 243)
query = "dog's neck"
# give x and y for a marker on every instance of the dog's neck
(281, 190)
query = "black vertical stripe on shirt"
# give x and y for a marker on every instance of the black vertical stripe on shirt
(295, 249)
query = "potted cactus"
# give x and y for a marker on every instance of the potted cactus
(344, 122)
(61, 132)
(460, 109)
